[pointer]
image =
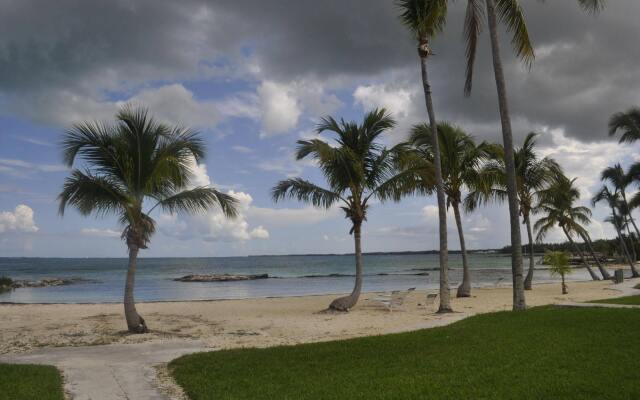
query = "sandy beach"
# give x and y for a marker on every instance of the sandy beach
(256, 322)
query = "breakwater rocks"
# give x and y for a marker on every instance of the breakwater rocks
(44, 282)
(220, 278)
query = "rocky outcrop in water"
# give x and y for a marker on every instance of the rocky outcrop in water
(220, 278)
(44, 282)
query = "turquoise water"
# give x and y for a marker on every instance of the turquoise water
(103, 278)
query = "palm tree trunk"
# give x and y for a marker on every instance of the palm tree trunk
(581, 254)
(347, 302)
(603, 271)
(528, 281)
(464, 290)
(633, 221)
(634, 272)
(445, 296)
(135, 323)
(631, 244)
(519, 302)
(564, 286)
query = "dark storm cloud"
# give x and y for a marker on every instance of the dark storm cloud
(586, 66)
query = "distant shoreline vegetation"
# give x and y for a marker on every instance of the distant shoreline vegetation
(607, 247)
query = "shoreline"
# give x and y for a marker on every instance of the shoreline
(432, 287)
(259, 322)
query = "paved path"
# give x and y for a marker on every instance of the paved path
(110, 372)
(627, 288)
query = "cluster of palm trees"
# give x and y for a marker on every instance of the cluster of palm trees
(616, 183)
(137, 161)
(425, 19)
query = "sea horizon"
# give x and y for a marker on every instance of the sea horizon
(100, 279)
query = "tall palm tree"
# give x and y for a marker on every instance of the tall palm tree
(127, 164)
(612, 199)
(357, 169)
(510, 13)
(533, 174)
(426, 18)
(461, 160)
(620, 181)
(557, 205)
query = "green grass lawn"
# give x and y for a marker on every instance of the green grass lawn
(30, 382)
(629, 300)
(543, 353)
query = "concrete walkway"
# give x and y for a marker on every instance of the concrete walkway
(627, 288)
(110, 372)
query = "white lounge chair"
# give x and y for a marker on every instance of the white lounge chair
(394, 299)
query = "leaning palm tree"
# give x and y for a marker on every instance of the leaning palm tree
(510, 13)
(128, 164)
(612, 199)
(533, 174)
(461, 160)
(426, 18)
(557, 205)
(620, 180)
(358, 169)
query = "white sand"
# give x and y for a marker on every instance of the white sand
(255, 322)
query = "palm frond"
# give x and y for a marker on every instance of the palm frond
(198, 201)
(93, 194)
(511, 14)
(472, 29)
(305, 191)
(424, 18)
(628, 123)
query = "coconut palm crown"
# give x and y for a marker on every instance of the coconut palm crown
(126, 166)
(533, 174)
(557, 204)
(357, 169)
(626, 123)
(461, 161)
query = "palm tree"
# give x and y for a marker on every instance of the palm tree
(426, 18)
(627, 221)
(125, 165)
(510, 13)
(533, 174)
(612, 199)
(628, 123)
(461, 160)
(558, 262)
(620, 181)
(557, 205)
(358, 169)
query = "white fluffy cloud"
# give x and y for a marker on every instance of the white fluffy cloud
(214, 226)
(283, 104)
(398, 101)
(19, 220)
(280, 108)
(172, 103)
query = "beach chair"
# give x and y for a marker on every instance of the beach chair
(394, 299)
(430, 300)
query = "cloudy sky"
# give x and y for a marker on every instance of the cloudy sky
(254, 76)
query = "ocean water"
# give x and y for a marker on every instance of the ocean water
(102, 279)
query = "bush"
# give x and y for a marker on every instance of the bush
(5, 281)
